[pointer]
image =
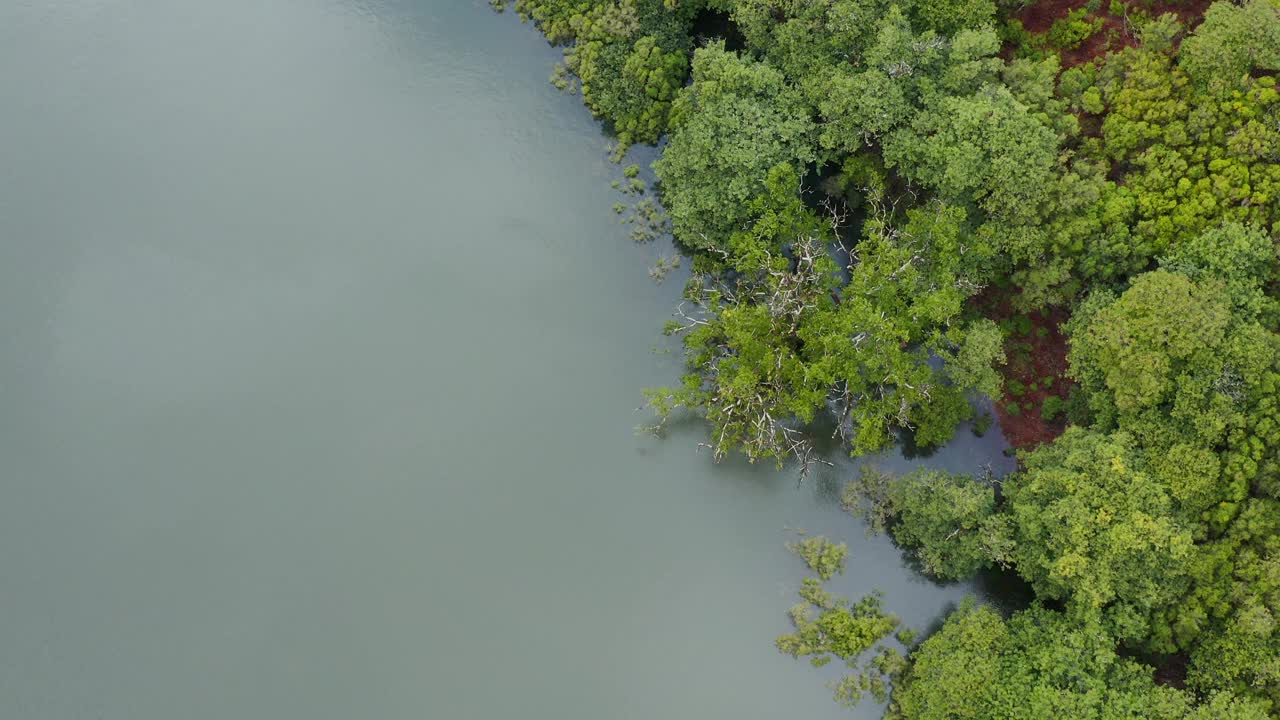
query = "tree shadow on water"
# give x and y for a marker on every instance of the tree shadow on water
(912, 450)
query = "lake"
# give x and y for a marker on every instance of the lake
(322, 358)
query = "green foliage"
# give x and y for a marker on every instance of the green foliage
(1242, 257)
(985, 149)
(735, 122)
(974, 363)
(821, 555)
(944, 520)
(904, 75)
(982, 424)
(647, 220)
(1039, 664)
(1070, 32)
(955, 672)
(949, 16)
(630, 56)
(1052, 408)
(634, 89)
(861, 107)
(801, 39)
(748, 377)
(564, 21)
(1232, 41)
(844, 631)
(1169, 360)
(1185, 367)
(1093, 528)
(1173, 159)
(772, 345)
(1232, 609)
(1189, 158)
(840, 630)
(1015, 35)
(1227, 706)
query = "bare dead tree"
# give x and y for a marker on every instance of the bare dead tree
(837, 214)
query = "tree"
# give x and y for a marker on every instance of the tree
(748, 374)
(1093, 528)
(947, 521)
(1169, 360)
(1242, 257)
(736, 121)
(840, 630)
(1232, 41)
(630, 85)
(985, 149)
(631, 57)
(955, 674)
(1038, 664)
(803, 39)
(904, 73)
(785, 336)
(860, 107)
(1229, 619)
(1182, 362)
(948, 16)
(974, 364)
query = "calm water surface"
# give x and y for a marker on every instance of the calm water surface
(320, 366)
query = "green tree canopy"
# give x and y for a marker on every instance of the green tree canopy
(985, 149)
(1092, 527)
(1170, 360)
(736, 121)
(1233, 41)
(790, 334)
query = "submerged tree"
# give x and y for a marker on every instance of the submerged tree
(827, 627)
(821, 555)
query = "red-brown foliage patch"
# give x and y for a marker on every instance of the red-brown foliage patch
(1035, 369)
(1117, 31)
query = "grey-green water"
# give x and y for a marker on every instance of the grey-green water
(320, 365)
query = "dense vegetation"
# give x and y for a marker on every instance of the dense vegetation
(884, 201)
